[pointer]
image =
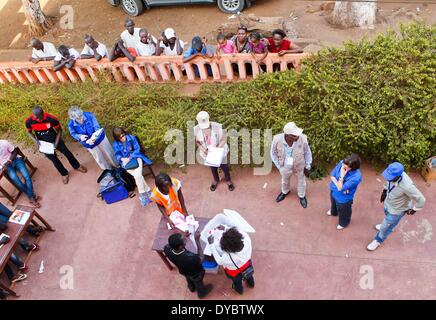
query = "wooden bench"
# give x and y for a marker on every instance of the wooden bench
(15, 232)
(3, 173)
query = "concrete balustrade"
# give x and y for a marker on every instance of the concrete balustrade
(150, 69)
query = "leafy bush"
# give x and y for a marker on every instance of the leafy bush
(376, 98)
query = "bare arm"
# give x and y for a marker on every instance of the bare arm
(179, 48)
(159, 50)
(182, 201)
(58, 137)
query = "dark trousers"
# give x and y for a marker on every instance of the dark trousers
(195, 283)
(226, 170)
(343, 210)
(67, 153)
(237, 281)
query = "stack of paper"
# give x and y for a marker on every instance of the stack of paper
(215, 157)
(94, 136)
(46, 147)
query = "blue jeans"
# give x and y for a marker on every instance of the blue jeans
(16, 166)
(388, 225)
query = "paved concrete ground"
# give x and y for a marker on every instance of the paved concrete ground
(298, 253)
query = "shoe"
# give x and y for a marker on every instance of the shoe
(238, 291)
(19, 277)
(65, 179)
(144, 199)
(303, 202)
(251, 284)
(373, 245)
(82, 169)
(207, 290)
(23, 268)
(231, 187)
(281, 196)
(339, 227)
(191, 288)
(35, 247)
(377, 227)
(213, 186)
(34, 202)
(329, 213)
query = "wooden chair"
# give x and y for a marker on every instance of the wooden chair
(3, 173)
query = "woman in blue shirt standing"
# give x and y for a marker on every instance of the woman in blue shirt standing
(345, 178)
(129, 155)
(84, 127)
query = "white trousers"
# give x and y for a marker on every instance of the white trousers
(104, 155)
(139, 178)
(286, 181)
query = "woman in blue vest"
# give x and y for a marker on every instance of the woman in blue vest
(345, 178)
(83, 127)
(129, 155)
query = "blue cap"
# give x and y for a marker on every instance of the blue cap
(393, 170)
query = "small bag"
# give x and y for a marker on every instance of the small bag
(132, 164)
(247, 273)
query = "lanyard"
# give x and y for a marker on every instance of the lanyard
(393, 187)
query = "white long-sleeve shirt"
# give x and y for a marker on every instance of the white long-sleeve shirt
(240, 258)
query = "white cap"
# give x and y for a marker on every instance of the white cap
(169, 33)
(291, 128)
(203, 120)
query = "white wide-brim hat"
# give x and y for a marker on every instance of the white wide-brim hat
(203, 119)
(291, 128)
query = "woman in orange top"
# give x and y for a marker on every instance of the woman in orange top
(168, 196)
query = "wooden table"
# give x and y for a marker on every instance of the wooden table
(15, 232)
(3, 173)
(161, 239)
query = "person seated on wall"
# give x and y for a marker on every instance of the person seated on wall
(128, 154)
(279, 44)
(93, 49)
(126, 44)
(65, 57)
(146, 46)
(42, 51)
(13, 164)
(169, 44)
(199, 48)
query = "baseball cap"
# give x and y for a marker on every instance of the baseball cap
(169, 33)
(203, 119)
(393, 170)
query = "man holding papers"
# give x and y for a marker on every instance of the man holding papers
(84, 127)
(43, 127)
(211, 141)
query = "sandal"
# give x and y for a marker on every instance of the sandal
(34, 202)
(132, 194)
(19, 277)
(231, 187)
(213, 186)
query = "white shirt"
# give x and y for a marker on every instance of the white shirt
(130, 40)
(167, 49)
(48, 50)
(240, 258)
(146, 49)
(73, 52)
(101, 50)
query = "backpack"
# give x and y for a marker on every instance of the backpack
(115, 184)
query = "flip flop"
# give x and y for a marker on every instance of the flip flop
(20, 277)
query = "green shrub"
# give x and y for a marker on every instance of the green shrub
(376, 98)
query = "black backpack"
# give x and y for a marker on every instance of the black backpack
(122, 175)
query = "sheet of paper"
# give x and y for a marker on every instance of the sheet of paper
(215, 157)
(46, 147)
(94, 136)
(19, 217)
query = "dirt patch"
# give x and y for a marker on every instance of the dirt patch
(106, 22)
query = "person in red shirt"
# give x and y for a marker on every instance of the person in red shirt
(279, 44)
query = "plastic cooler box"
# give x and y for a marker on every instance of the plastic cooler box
(114, 193)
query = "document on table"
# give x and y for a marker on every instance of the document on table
(214, 157)
(19, 217)
(95, 135)
(46, 147)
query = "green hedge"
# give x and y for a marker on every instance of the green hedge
(376, 98)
